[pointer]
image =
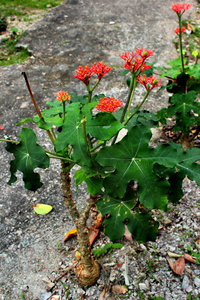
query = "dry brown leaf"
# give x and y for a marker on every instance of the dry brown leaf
(119, 289)
(170, 263)
(93, 232)
(174, 255)
(190, 258)
(128, 235)
(190, 27)
(70, 234)
(101, 297)
(120, 264)
(98, 222)
(179, 266)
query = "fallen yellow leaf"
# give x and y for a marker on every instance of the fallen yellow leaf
(70, 234)
(78, 255)
(42, 209)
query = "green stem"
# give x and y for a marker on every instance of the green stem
(63, 118)
(129, 97)
(98, 146)
(10, 141)
(128, 102)
(83, 121)
(180, 43)
(89, 93)
(67, 160)
(53, 133)
(95, 85)
(145, 97)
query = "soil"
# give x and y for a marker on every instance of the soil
(33, 254)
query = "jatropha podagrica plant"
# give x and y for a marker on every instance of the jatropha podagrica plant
(120, 173)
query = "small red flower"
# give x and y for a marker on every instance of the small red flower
(180, 8)
(84, 74)
(149, 82)
(109, 104)
(100, 69)
(177, 30)
(138, 65)
(1, 128)
(127, 56)
(63, 96)
(144, 53)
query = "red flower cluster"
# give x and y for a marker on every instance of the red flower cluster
(63, 96)
(180, 8)
(149, 82)
(1, 128)
(138, 65)
(177, 30)
(109, 104)
(100, 69)
(85, 73)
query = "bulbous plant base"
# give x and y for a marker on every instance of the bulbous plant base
(87, 276)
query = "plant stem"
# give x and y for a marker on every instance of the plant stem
(63, 111)
(89, 93)
(83, 121)
(97, 146)
(145, 97)
(131, 96)
(36, 106)
(128, 99)
(87, 270)
(128, 102)
(10, 141)
(67, 193)
(180, 43)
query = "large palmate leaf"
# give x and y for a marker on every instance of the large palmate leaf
(103, 126)
(134, 160)
(28, 156)
(72, 134)
(187, 166)
(141, 225)
(181, 105)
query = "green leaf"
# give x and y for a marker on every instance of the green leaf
(134, 160)
(72, 134)
(94, 183)
(194, 71)
(143, 117)
(177, 62)
(28, 156)
(123, 73)
(181, 105)
(189, 166)
(103, 126)
(78, 99)
(26, 120)
(141, 225)
(119, 211)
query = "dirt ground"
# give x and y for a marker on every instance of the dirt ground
(76, 32)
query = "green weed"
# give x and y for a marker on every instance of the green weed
(107, 248)
(21, 7)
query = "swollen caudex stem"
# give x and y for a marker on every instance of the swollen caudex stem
(87, 270)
